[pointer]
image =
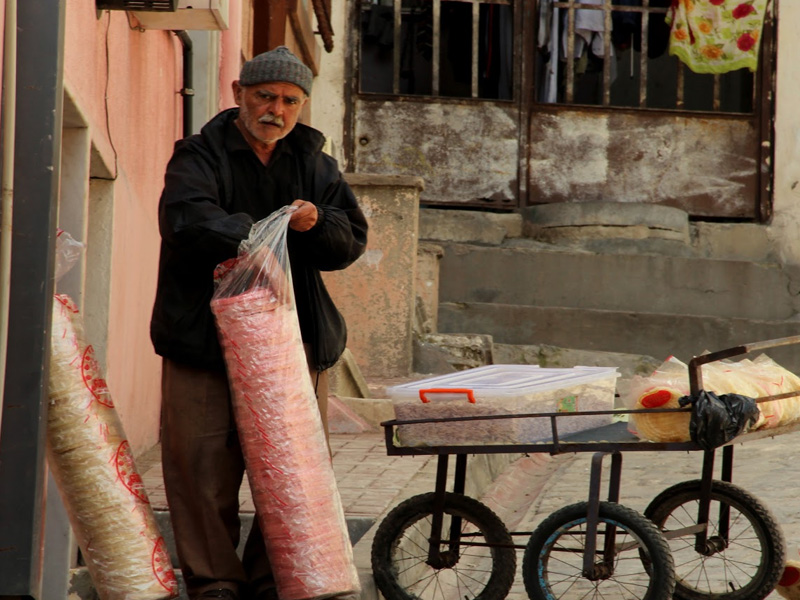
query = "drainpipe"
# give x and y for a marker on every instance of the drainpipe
(7, 199)
(187, 91)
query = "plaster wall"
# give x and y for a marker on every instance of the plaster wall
(786, 221)
(123, 83)
(376, 294)
(329, 87)
(2, 28)
(231, 55)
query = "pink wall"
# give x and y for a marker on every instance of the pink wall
(141, 74)
(2, 25)
(231, 55)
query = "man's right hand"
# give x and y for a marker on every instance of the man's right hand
(304, 217)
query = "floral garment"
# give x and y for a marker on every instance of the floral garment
(716, 36)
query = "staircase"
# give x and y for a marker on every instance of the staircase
(653, 284)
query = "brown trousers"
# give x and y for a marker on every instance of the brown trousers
(203, 471)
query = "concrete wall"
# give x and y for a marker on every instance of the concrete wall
(376, 293)
(786, 222)
(327, 114)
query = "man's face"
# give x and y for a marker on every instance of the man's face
(269, 111)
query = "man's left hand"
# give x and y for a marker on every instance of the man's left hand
(305, 217)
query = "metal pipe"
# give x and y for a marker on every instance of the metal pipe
(187, 90)
(7, 200)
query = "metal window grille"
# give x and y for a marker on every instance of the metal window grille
(686, 86)
(429, 17)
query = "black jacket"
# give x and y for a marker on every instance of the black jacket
(207, 208)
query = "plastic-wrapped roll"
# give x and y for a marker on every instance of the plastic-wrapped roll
(662, 389)
(745, 378)
(662, 427)
(94, 469)
(752, 378)
(283, 442)
(789, 584)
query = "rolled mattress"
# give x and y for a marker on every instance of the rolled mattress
(286, 454)
(94, 469)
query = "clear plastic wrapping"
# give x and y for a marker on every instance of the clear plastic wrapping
(288, 463)
(93, 466)
(662, 389)
(68, 251)
(789, 584)
(755, 378)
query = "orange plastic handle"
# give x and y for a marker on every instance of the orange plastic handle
(467, 391)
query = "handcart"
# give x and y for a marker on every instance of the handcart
(704, 539)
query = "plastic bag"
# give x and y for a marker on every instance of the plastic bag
(662, 389)
(286, 454)
(751, 378)
(718, 419)
(68, 251)
(746, 378)
(789, 584)
(93, 466)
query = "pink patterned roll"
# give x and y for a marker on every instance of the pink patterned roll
(93, 466)
(288, 464)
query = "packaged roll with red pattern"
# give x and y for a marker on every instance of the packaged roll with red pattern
(752, 378)
(94, 469)
(277, 417)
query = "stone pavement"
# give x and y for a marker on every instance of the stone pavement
(768, 468)
(370, 484)
(524, 490)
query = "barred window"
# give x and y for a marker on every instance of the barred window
(619, 57)
(455, 48)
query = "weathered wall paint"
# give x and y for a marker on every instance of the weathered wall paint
(376, 294)
(462, 153)
(328, 91)
(786, 220)
(685, 162)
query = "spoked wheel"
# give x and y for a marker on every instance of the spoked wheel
(473, 560)
(743, 555)
(637, 567)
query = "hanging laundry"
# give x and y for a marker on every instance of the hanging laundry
(590, 29)
(716, 36)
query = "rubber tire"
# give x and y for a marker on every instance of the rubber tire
(411, 511)
(773, 548)
(659, 568)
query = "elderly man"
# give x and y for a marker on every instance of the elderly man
(246, 163)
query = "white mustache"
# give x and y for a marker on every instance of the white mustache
(268, 118)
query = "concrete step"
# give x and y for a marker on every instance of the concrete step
(545, 355)
(642, 333)
(543, 275)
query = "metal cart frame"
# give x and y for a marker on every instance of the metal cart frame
(601, 443)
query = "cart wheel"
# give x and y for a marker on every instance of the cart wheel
(745, 564)
(481, 565)
(641, 567)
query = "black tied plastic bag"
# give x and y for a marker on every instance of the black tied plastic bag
(718, 419)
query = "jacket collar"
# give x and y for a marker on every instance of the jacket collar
(221, 134)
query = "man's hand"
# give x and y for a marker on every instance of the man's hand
(305, 217)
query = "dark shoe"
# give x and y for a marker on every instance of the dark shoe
(218, 594)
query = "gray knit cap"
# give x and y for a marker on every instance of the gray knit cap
(277, 65)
